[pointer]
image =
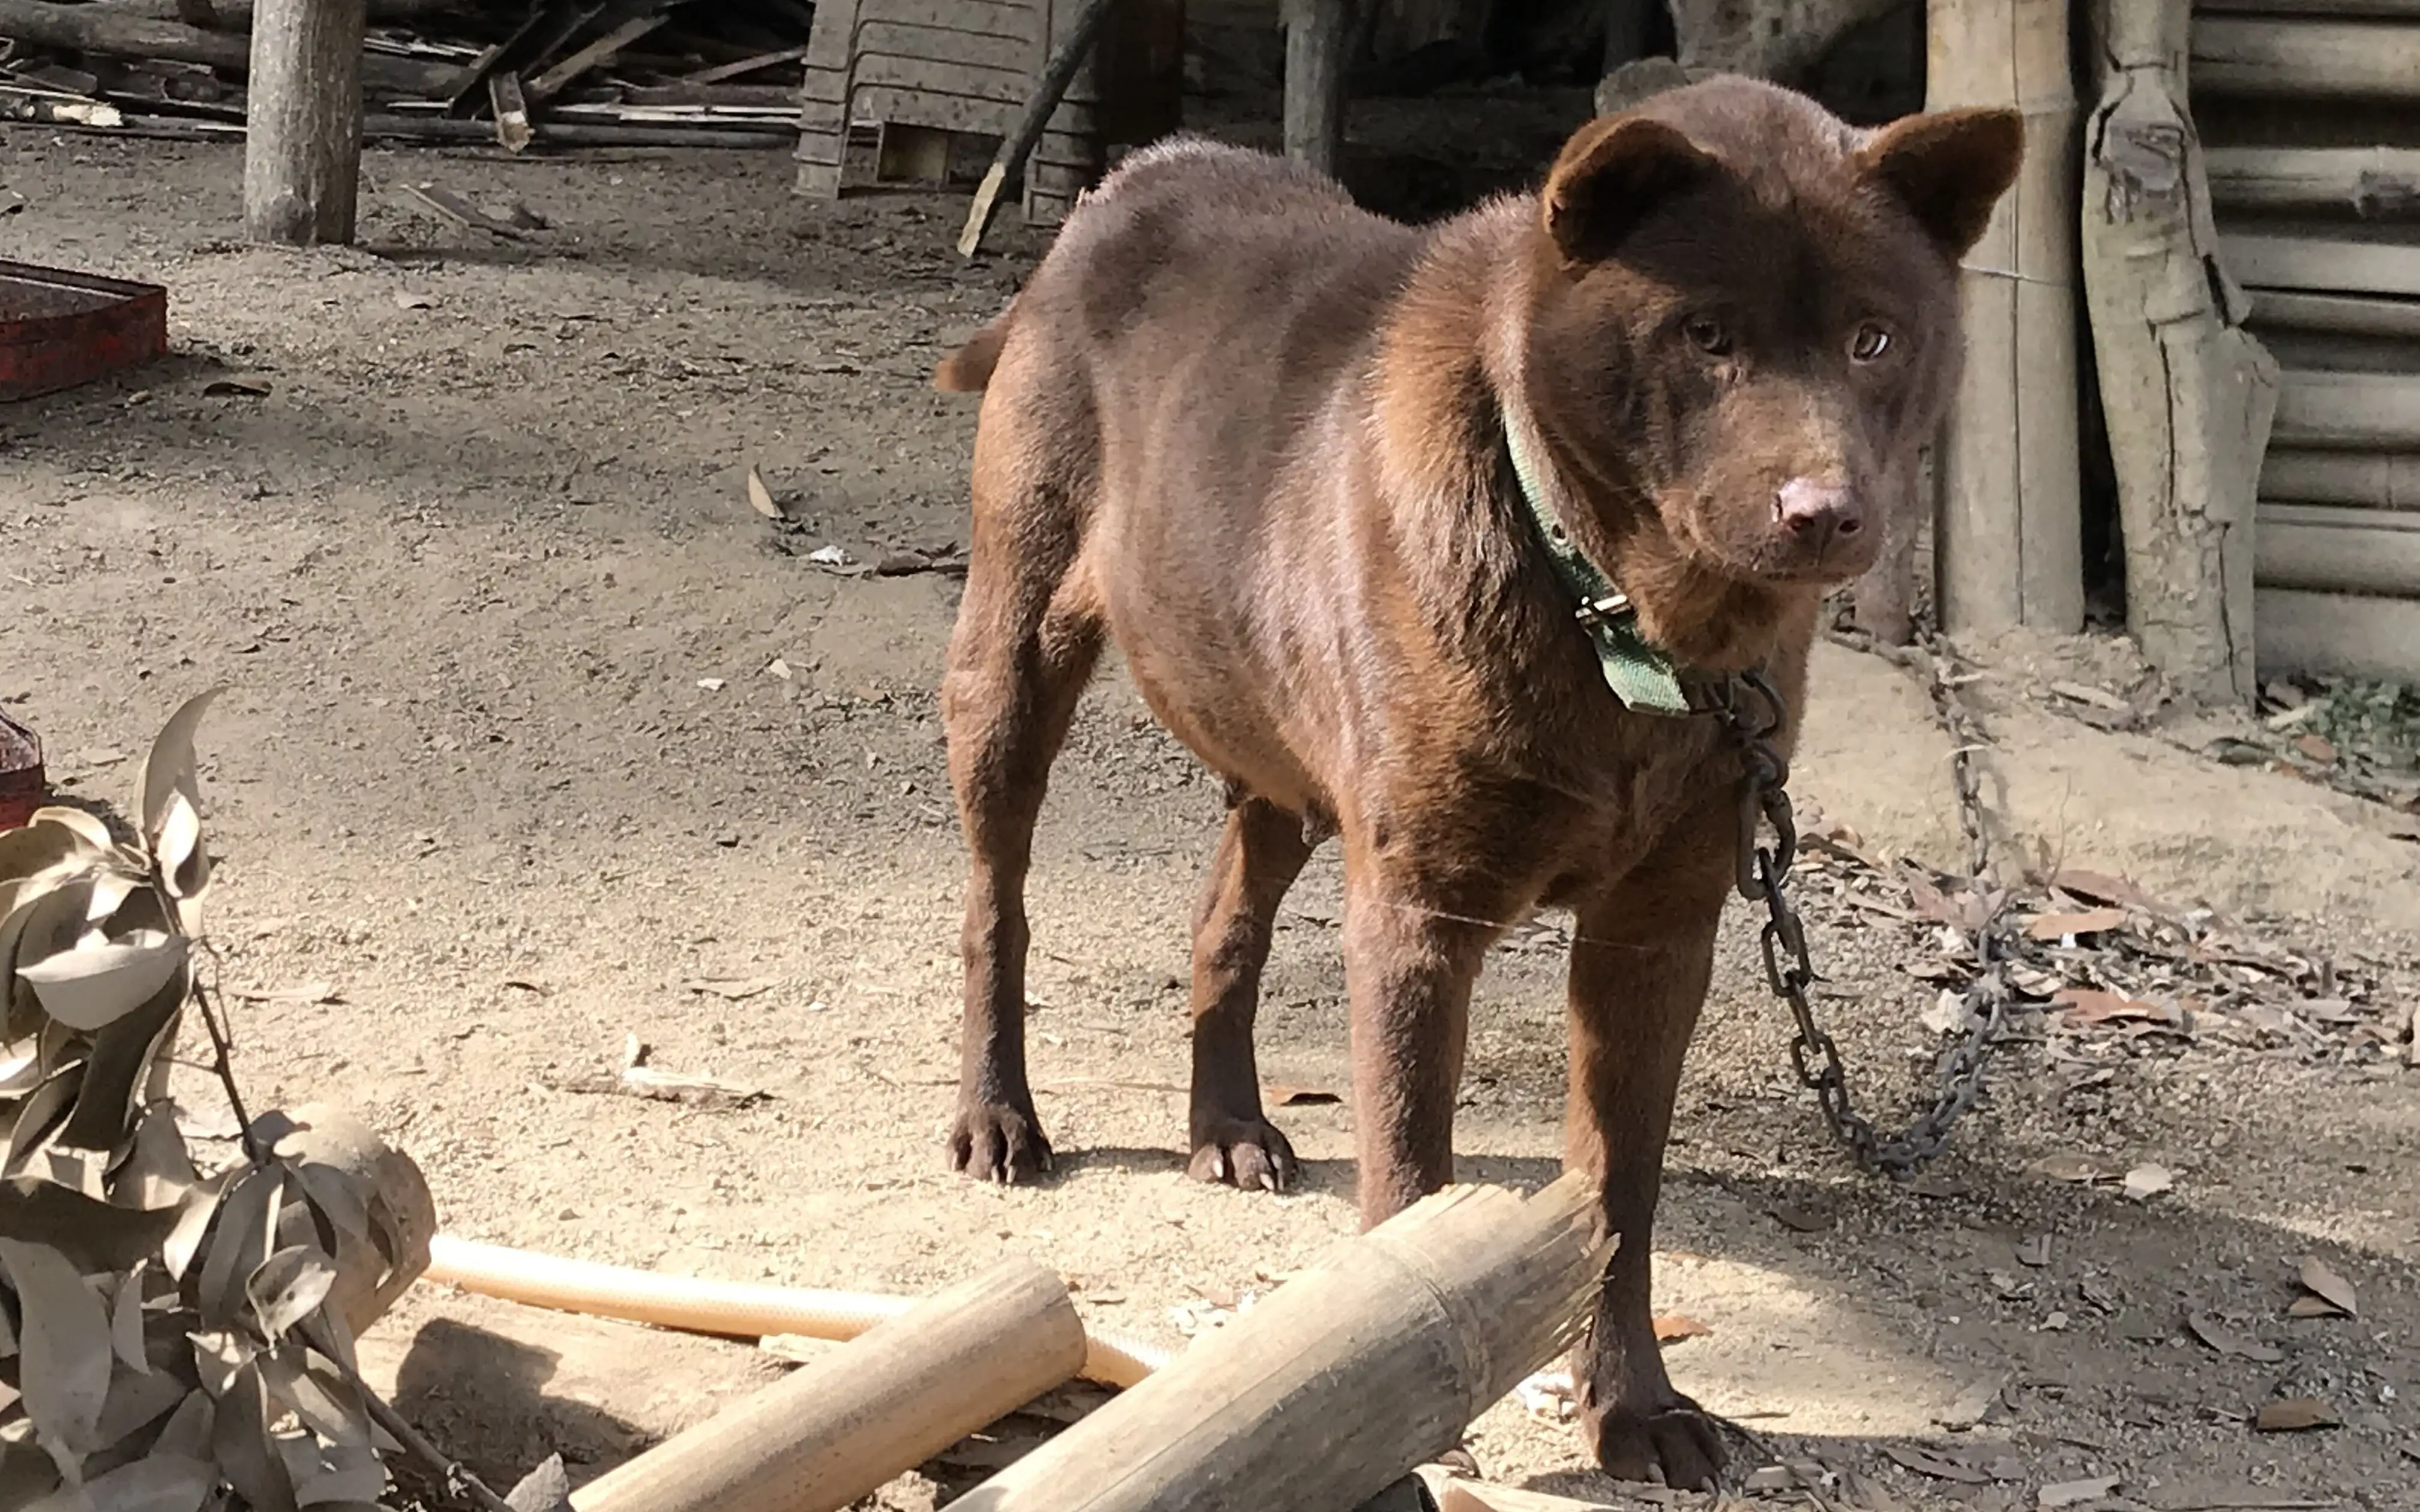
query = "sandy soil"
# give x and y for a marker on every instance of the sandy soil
(504, 767)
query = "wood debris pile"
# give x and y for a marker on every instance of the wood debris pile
(564, 74)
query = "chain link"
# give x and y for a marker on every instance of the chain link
(1754, 713)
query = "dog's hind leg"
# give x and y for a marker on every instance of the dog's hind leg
(1259, 857)
(1029, 633)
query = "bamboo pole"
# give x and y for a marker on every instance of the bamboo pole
(2009, 548)
(1344, 1377)
(2188, 392)
(2341, 315)
(2325, 264)
(2350, 412)
(2369, 181)
(2339, 551)
(2349, 635)
(2373, 480)
(838, 1428)
(2305, 59)
(303, 122)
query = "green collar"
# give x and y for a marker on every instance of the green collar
(1641, 673)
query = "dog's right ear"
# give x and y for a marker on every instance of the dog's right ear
(1611, 175)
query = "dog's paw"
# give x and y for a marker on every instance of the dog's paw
(1677, 1444)
(1249, 1153)
(995, 1142)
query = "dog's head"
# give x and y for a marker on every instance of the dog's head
(1744, 323)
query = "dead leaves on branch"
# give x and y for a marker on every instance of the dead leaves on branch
(170, 1337)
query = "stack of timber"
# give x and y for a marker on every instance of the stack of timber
(2312, 108)
(559, 73)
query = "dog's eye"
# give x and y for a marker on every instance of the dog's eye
(1870, 341)
(1707, 335)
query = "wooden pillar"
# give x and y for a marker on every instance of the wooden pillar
(1319, 35)
(2189, 393)
(2009, 550)
(303, 142)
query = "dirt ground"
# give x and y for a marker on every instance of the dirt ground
(508, 772)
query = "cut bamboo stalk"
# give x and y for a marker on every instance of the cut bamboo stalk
(2346, 314)
(2009, 548)
(1324, 1393)
(838, 1428)
(2324, 264)
(2350, 635)
(2188, 392)
(2369, 181)
(2369, 480)
(2302, 59)
(2350, 411)
(730, 1309)
(2339, 550)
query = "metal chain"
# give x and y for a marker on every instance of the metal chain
(1753, 712)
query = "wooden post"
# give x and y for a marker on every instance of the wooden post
(303, 129)
(2009, 548)
(1319, 33)
(2190, 395)
(837, 1429)
(1344, 1378)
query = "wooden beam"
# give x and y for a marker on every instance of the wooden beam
(2350, 411)
(1319, 36)
(2372, 182)
(2349, 635)
(2339, 550)
(2348, 315)
(2320, 263)
(2305, 60)
(2009, 548)
(302, 123)
(2372, 480)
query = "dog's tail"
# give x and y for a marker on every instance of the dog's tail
(969, 369)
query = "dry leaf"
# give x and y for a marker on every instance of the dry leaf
(734, 988)
(64, 1362)
(236, 388)
(760, 497)
(2068, 1493)
(2295, 1414)
(2100, 698)
(1972, 1405)
(2317, 748)
(2090, 1005)
(2213, 1332)
(1940, 1467)
(712, 685)
(1801, 1220)
(2329, 1287)
(2082, 1170)
(1301, 1097)
(778, 668)
(1673, 1327)
(2148, 1180)
(2059, 926)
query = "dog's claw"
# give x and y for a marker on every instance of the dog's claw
(1680, 1445)
(1246, 1153)
(998, 1143)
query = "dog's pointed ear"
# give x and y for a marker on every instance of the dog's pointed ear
(1611, 175)
(1950, 168)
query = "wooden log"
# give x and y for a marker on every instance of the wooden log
(2329, 548)
(2009, 548)
(2373, 480)
(2265, 59)
(1342, 1379)
(113, 32)
(302, 123)
(2350, 411)
(1319, 35)
(2327, 264)
(2348, 635)
(2189, 393)
(2339, 314)
(838, 1428)
(2372, 182)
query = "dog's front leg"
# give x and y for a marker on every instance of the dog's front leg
(1642, 955)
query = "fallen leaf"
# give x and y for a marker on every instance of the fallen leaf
(2148, 1180)
(2316, 748)
(712, 685)
(2104, 888)
(735, 989)
(236, 388)
(2210, 1331)
(828, 556)
(1301, 1097)
(2295, 1414)
(1940, 1467)
(2082, 1170)
(414, 301)
(2075, 1492)
(1673, 1327)
(1801, 1220)
(1972, 1405)
(2034, 1252)
(2093, 921)
(778, 668)
(2090, 1005)
(2329, 1287)
(2100, 698)
(761, 497)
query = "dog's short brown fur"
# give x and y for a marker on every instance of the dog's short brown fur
(1257, 436)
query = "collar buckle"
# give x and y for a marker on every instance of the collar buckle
(1613, 606)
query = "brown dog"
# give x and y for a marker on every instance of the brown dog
(1268, 442)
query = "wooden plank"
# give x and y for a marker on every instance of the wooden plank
(2339, 550)
(550, 83)
(2347, 314)
(2373, 480)
(2347, 635)
(2350, 411)
(2300, 58)
(2329, 264)
(2372, 182)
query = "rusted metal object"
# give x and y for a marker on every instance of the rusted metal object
(60, 329)
(23, 786)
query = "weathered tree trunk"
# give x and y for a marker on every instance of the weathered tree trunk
(2009, 548)
(2190, 395)
(303, 129)
(1319, 43)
